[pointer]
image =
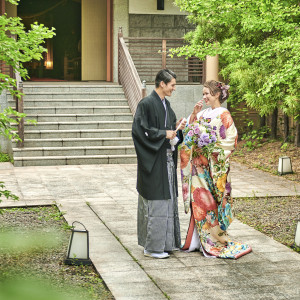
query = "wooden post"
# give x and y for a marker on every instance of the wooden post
(109, 38)
(2, 7)
(2, 12)
(144, 91)
(164, 54)
(203, 71)
(120, 33)
(20, 109)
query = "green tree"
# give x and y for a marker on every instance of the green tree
(258, 42)
(17, 46)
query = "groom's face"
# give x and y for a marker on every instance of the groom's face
(169, 88)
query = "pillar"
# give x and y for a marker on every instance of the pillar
(212, 68)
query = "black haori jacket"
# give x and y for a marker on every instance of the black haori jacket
(149, 136)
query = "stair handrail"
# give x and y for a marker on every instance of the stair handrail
(19, 108)
(128, 76)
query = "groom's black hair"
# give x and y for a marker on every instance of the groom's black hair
(164, 75)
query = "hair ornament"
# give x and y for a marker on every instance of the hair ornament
(224, 89)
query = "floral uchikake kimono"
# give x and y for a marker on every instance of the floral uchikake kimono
(204, 154)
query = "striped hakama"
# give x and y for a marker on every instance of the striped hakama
(158, 221)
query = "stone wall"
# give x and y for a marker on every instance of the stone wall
(160, 26)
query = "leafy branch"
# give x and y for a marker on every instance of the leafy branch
(258, 44)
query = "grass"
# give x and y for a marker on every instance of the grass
(37, 252)
(5, 158)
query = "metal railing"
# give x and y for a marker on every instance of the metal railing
(153, 54)
(128, 76)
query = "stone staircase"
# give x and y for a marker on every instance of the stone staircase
(76, 124)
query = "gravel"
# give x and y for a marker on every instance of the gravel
(274, 216)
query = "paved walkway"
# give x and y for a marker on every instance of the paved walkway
(104, 199)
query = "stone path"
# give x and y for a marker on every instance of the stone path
(104, 199)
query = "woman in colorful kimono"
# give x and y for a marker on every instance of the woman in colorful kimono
(210, 137)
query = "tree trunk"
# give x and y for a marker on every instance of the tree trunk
(297, 136)
(262, 121)
(286, 127)
(274, 124)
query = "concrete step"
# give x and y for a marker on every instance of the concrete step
(76, 142)
(74, 160)
(77, 124)
(80, 117)
(80, 125)
(77, 110)
(70, 95)
(74, 151)
(70, 102)
(76, 133)
(73, 88)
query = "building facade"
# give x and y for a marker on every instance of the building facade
(85, 47)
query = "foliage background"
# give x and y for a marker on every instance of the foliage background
(17, 46)
(258, 43)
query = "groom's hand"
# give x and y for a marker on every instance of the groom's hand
(182, 123)
(170, 134)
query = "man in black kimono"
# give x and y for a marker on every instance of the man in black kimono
(153, 128)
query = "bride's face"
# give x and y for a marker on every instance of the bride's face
(210, 100)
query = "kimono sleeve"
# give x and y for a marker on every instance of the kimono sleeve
(150, 136)
(228, 133)
(148, 139)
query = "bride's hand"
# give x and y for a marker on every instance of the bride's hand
(198, 106)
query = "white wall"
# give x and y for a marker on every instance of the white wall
(150, 7)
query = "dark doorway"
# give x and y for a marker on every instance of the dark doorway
(63, 60)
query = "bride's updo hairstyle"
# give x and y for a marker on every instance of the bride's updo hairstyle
(218, 87)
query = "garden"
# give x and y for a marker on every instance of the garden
(258, 46)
